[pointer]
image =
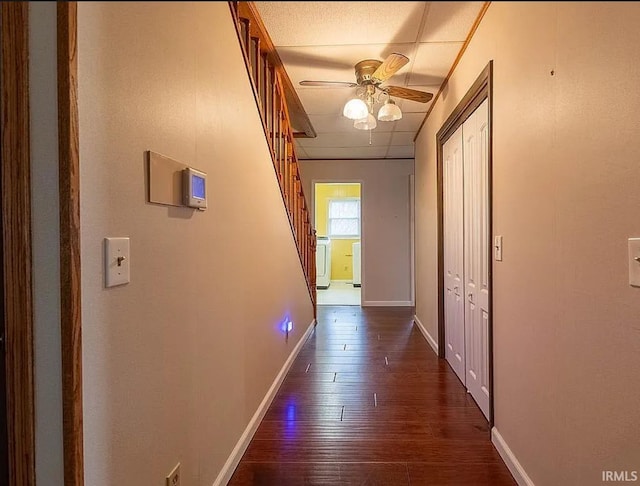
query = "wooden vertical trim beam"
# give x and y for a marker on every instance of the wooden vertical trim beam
(71, 324)
(16, 243)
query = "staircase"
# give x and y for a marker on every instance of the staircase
(281, 110)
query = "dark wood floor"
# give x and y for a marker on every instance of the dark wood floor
(368, 402)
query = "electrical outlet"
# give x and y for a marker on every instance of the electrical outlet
(173, 479)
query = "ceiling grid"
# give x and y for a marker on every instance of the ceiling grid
(324, 40)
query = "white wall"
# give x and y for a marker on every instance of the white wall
(386, 222)
(46, 237)
(566, 179)
(177, 362)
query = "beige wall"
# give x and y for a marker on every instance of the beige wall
(43, 79)
(177, 362)
(386, 222)
(566, 179)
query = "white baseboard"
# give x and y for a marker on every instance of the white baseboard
(517, 471)
(236, 455)
(387, 303)
(432, 342)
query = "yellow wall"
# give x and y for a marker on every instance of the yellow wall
(341, 249)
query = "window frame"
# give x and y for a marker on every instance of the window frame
(359, 218)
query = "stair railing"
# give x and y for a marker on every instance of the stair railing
(278, 102)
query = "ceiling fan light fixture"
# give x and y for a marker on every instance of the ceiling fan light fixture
(366, 123)
(389, 112)
(355, 109)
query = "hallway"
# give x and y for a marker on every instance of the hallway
(367, 402)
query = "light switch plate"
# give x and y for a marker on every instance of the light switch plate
(634, 262)
(497, 248)
(117, 261)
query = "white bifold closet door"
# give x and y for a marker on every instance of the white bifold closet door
(467, 240)
(452, 166)
(475, 132)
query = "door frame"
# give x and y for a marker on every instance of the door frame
(480, 90)
(16, 244)
(70, 285)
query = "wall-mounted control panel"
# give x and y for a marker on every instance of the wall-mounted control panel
(172, 183)
(194, 188)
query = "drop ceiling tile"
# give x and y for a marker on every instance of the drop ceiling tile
(402, 138)
(288, 23)
(338, 123)
(450, 21)
(347, 153)
(324, 101)
(389, 126)
(409, 122)
(330, 123)
(408, 106)
(350, 138)
(324, 40)
(433, 62)
(400, 152)
(337, 63)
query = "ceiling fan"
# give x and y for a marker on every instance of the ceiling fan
(370, 74)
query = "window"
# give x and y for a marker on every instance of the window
(344, 218)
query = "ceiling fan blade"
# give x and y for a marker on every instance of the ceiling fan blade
(334, 84)
(390, 66)
(409, 94)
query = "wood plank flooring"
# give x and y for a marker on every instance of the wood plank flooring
(367, 402)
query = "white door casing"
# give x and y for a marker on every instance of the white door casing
(453, 188)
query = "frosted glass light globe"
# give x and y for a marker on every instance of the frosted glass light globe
(389, 112)
(355, 109)
(366, 123)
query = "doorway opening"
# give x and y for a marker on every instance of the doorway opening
(337, 212)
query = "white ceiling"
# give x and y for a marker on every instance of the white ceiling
(324, 40)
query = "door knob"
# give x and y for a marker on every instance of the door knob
(470, 297)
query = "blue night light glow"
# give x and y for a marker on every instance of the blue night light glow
(286, 326)
(291, 412)
(291, 422)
